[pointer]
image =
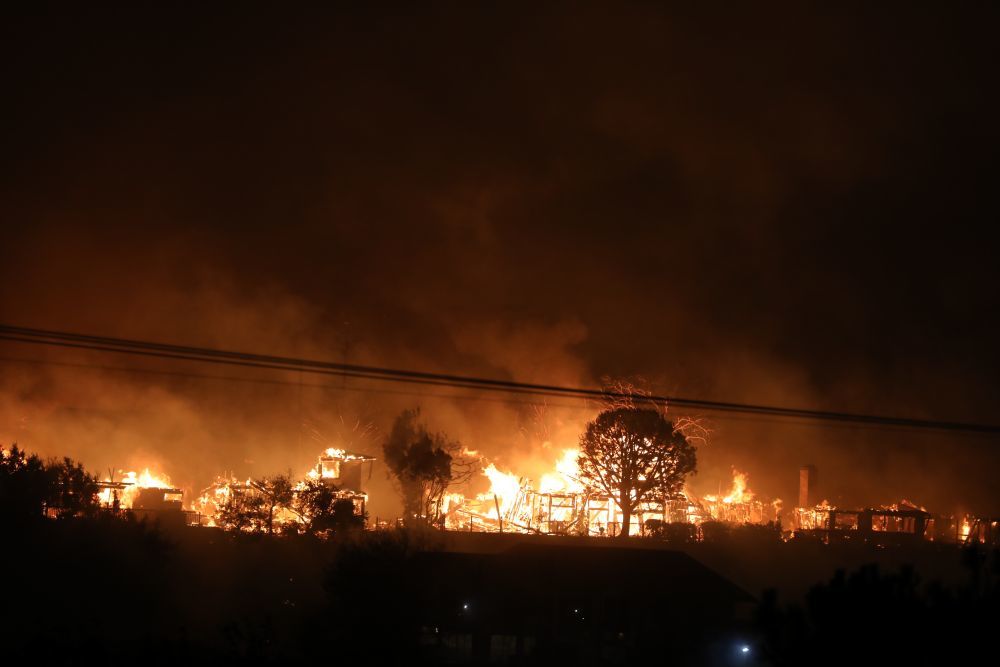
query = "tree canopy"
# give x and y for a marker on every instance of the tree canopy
(324, 510)
(423, 463)
(30, 487)
(277, 492)
(634, 455)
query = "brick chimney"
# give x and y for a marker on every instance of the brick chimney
(808, 481)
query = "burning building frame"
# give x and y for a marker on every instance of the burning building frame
(559, 504)
(562, 505)
(895, 524)
(339, 475)
(342, 475)
(146, 496)
(347, 473)
(892, 524)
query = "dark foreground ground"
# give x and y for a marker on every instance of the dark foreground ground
(758, 561)
(114, 592)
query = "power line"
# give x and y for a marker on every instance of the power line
(271, 362)
(450, 396)
(283, 383)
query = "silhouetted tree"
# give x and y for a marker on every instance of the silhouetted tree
(906, 621)
(344, 518)
(253, 507)
(29, 487)
(244, 510)
(634, 455)
(278, 493)
(25, 485)
(424, 464)
(72, 490)
(324, 510)
(314, 502)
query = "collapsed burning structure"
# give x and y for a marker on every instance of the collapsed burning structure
(893, 524)
(561, 504)
(344, 475)
(146, 496)
(558, 504)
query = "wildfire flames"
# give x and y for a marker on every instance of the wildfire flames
(562, 504)
(559, 503)
(329, 463)
(123, 493)
(213, 499)
(739, 492)
(328, 469)
(205, 509)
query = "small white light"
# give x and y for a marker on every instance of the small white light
(465, 606)
(745, 649)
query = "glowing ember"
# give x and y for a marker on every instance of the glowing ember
(965, 529)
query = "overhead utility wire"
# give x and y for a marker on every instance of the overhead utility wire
(248, 364)
(270, 362)
(481, 396)
(285, 383)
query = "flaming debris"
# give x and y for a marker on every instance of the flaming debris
(124, 493)
(562, 504)
(330, 496)
(332, 492)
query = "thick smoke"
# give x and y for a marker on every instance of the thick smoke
(194, 421)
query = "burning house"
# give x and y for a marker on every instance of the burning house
(344, 476)
(888, 525)
(558, 504)
(891, 525)
(561, 505)
(347, 473)
(155, 501)
(151, 496)
(146, 496)
(885, 525)
(979, 530)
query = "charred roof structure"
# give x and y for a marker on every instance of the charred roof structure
(348, 472)
(161, 505)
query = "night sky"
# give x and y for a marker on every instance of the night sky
(792, 206)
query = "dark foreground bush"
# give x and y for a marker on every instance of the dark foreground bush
(875, 617)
